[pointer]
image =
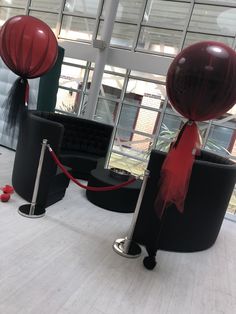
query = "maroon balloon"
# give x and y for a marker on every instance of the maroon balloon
(28, 46)
(201, 81)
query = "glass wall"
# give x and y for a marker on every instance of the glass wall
(131, 98)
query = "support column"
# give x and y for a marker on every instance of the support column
(100, 62)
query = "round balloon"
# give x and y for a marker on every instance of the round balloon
(201, 80)
(28, 46)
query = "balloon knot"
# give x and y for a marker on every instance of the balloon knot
(190, 122)
(23, 79)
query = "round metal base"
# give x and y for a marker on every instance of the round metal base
(134, 249)
(24, 210)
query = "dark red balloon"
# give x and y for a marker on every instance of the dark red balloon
(28, 46)
(201, 81)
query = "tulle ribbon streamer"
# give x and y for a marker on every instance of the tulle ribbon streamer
(176, 169)
(17, 101)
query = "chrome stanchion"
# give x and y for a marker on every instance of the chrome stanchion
(125, 246)
(33, 210)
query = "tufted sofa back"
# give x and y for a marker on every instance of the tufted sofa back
(81, 135)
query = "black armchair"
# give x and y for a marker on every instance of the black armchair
(211, 185)
(53, 182)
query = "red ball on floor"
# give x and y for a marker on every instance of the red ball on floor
(5, 197)
(7, 189)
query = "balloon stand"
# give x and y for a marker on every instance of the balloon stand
(31, 211)
(34, 210)
(125, 246)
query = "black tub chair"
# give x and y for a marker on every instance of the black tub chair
(211, 185)
(80, 145)
(53, 182)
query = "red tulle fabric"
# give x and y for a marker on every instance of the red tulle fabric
(176, 169)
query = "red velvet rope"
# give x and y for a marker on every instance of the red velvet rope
(90, 188)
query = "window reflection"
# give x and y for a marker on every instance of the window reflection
(106, 111)
(77, 28)
(162, 41)
(169, 13)
(213, 20)
(45, 5)
(149, 94)
(13, 2)
(88, 7)
(129, 10)
(6, 13)
(123, 34)
(111, 86)
(221, 140)
(192, 38)
(48, 18)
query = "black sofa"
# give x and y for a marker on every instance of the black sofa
(211, 185)
(84, 143)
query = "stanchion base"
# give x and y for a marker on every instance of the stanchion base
(24, 210)
(134, 249)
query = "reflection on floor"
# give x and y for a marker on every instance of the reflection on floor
(64, 263)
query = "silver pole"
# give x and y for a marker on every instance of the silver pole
(25, 210)
(101, 58)
(37, 180)
(126, 247)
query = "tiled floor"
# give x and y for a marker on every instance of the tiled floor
(64, 263)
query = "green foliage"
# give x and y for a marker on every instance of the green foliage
(167, 136)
